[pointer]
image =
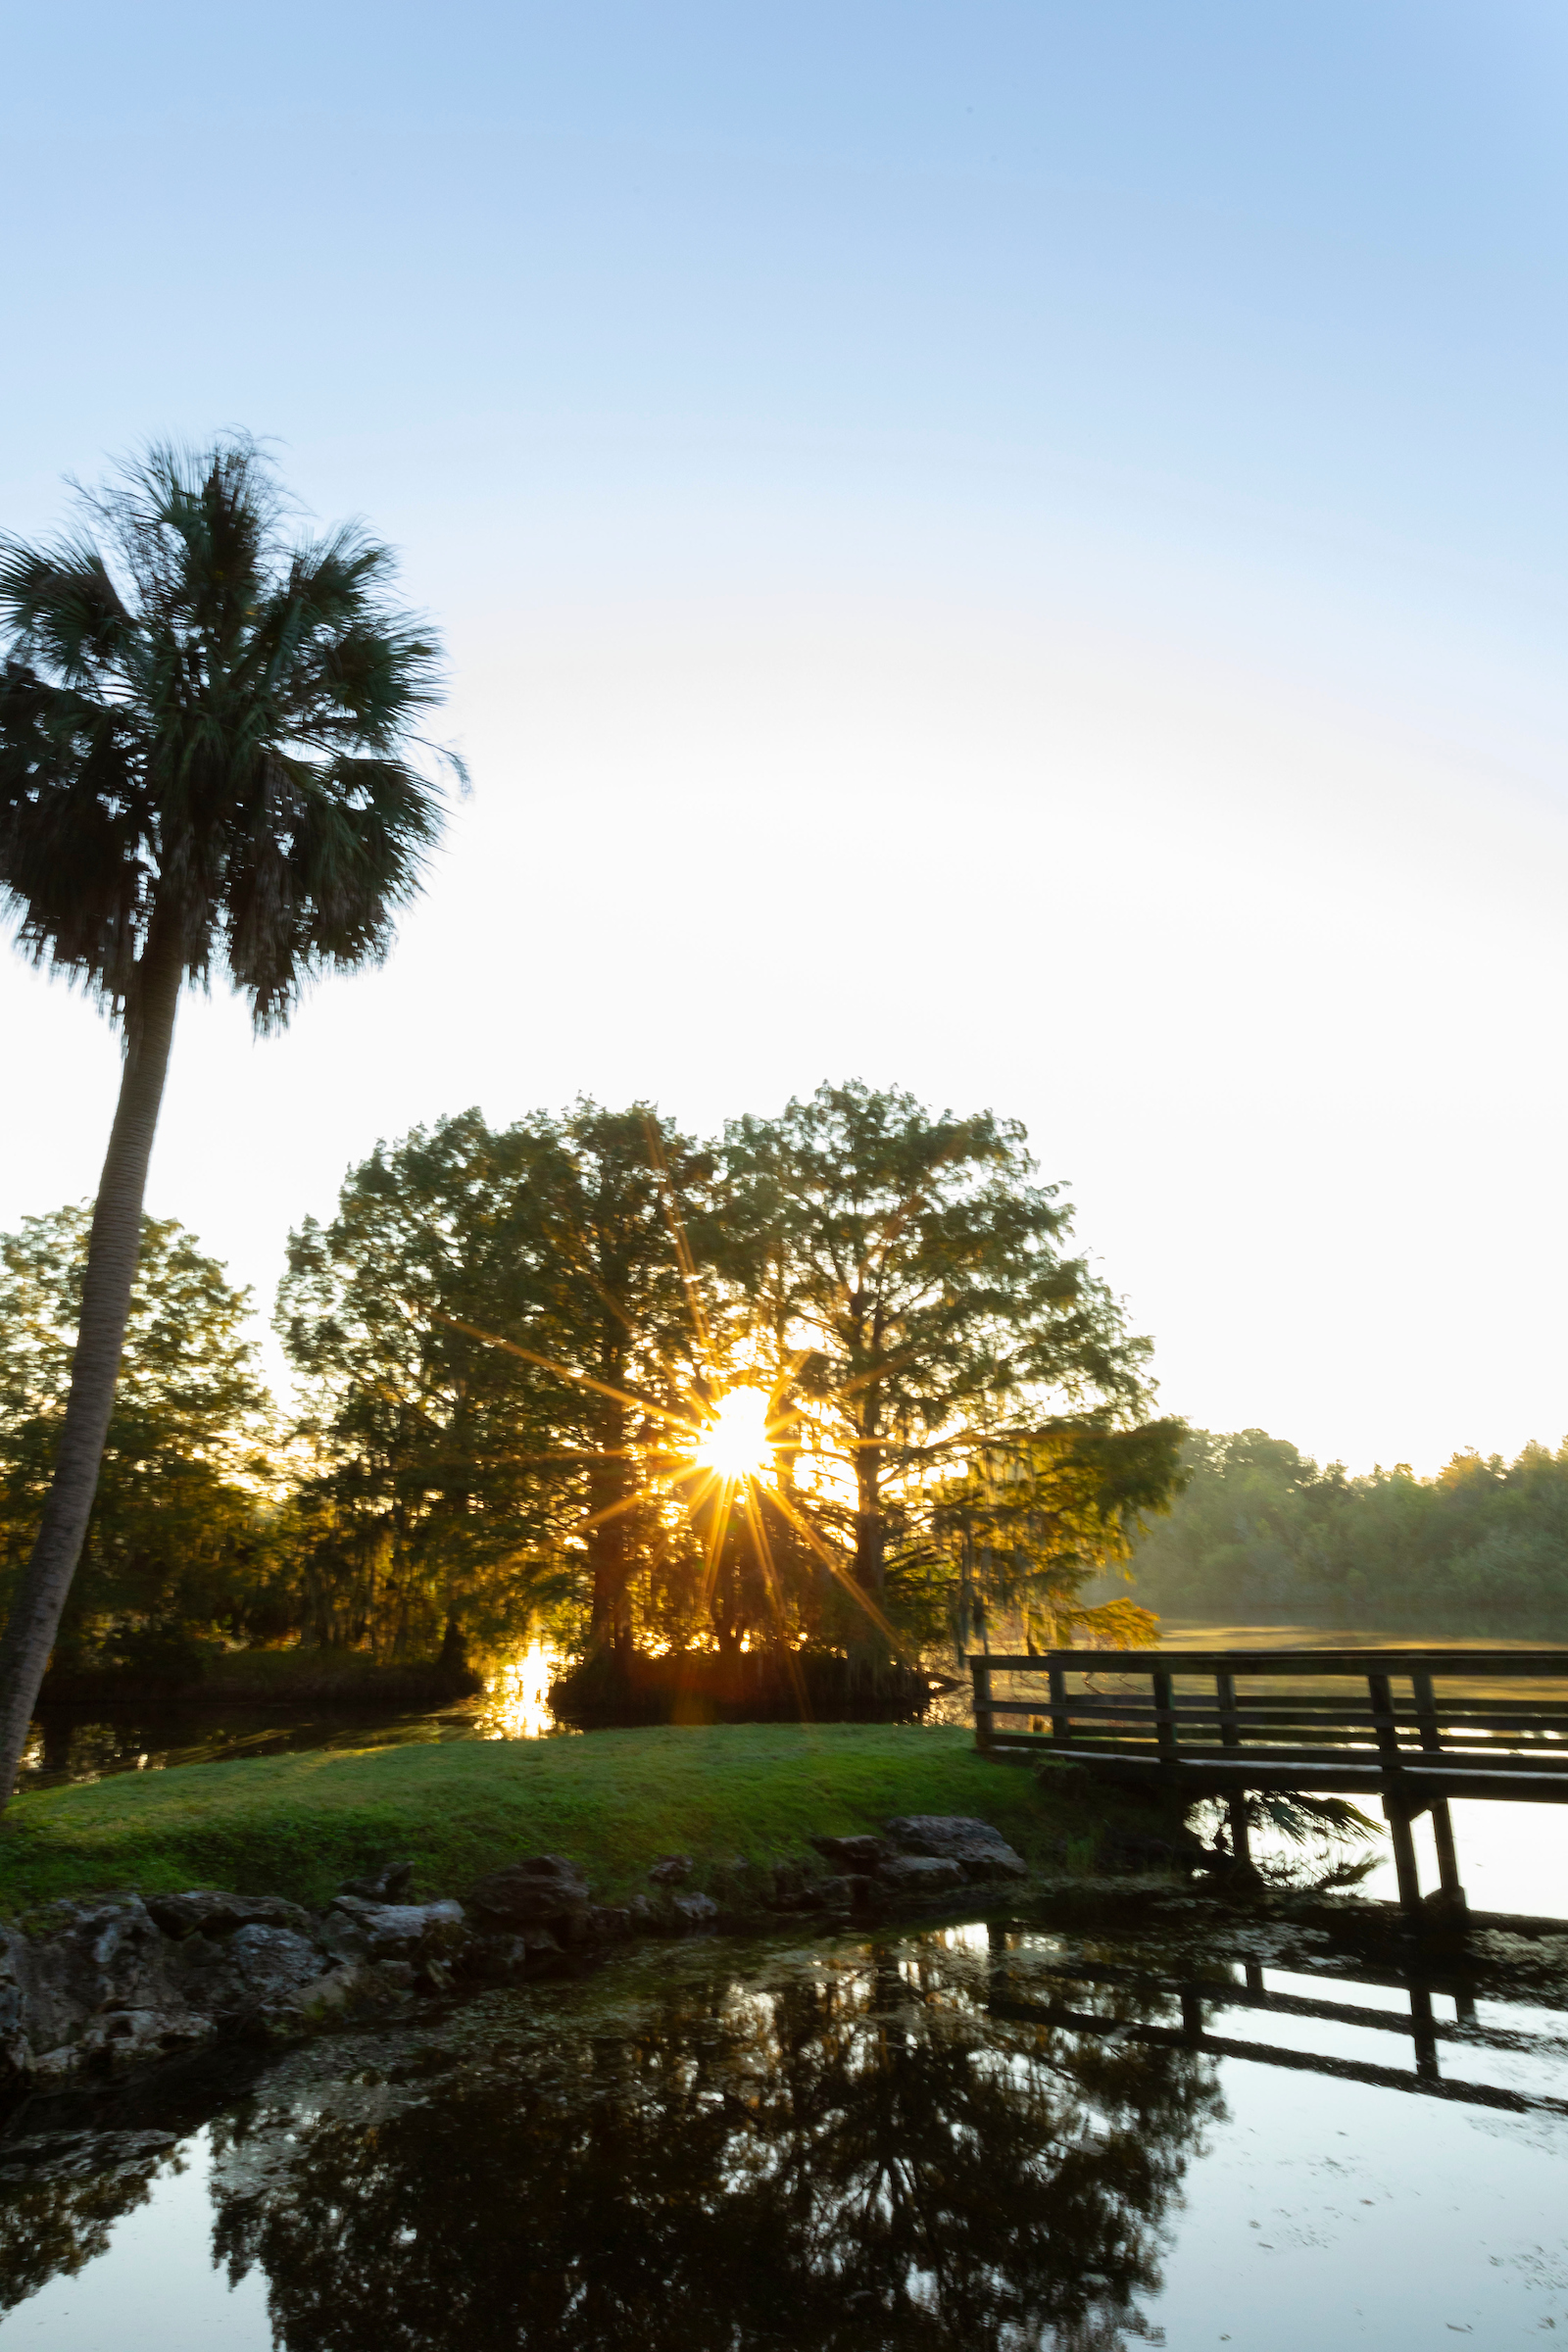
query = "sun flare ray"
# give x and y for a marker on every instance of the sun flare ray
(584, 1380)
(722, 1446)
(836, 1568)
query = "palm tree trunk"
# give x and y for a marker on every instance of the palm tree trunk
(112, 1248)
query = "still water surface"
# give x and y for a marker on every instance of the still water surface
(1168, 2125)
(85, 1744)
(1000, 2134)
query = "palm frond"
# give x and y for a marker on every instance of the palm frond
(1306, 1820)
(205, 717)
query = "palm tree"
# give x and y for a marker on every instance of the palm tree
(207, 756)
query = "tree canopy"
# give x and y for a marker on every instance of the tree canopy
(474, 1329)
(512, 1342)
(515, 1351)
(973, 1414)
(183, 1532)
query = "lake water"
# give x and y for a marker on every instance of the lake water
(1168, 2125)
(84, 1744)
(1154, 2121)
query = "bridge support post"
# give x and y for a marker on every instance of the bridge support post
(1405, 1862)
(1451, 1894)
(1446, 1900)
(1241, 1837)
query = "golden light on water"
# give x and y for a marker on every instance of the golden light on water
(516, 1701)
(735, 1443)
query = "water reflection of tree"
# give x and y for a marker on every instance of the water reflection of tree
(50, 2227)
(854, 2155)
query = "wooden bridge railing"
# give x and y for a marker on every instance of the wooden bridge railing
(1325, 1719)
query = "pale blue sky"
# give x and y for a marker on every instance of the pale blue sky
(1064, 501)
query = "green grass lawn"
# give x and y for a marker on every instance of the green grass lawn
(614, 1803)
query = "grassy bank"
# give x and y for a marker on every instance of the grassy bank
(613, 1803)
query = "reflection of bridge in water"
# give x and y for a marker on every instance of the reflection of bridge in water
(1335, 1721)
(1437, 2043)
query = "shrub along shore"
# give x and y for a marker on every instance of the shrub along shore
(612, 1803)
(206, 1674)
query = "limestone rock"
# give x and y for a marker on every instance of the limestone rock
(922, 1873)
(858, 1853)
(209, 1911)
(543, 1890)
(106, 1988)
(672, 1869)
(357, 1988)
(257, 1971)
(983, 1851)
(789, 1890)
(694, 1910)
(389, 1882)
(417, 1932)
(109, 1985)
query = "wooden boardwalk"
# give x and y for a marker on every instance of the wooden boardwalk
(1383, 1723)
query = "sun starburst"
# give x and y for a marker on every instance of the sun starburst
(736, 1442)
(714, 1455)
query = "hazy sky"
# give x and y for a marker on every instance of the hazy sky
(1017, 551)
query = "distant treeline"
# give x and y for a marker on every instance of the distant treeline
(1260, 1532)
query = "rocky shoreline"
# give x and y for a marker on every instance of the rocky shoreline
(98, 1986)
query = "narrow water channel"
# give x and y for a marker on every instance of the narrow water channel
(1082, 2133)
